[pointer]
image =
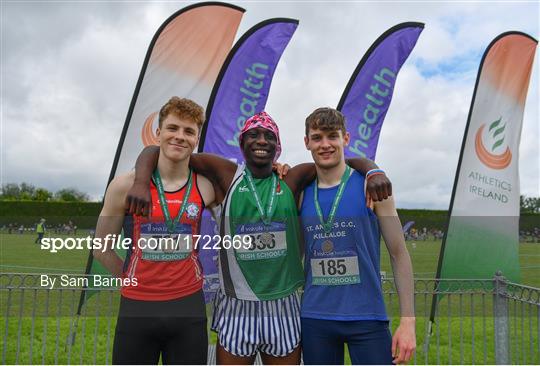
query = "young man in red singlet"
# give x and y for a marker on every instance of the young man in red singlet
(162, 312)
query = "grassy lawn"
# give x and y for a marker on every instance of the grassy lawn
(47, 340)
(39, 322)
(18, 253)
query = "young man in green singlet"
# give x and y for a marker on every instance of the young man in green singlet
(257, 307)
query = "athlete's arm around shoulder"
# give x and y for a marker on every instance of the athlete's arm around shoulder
(378, 187)
(110, 221)
(208, 193)
(298, 177)
(404, 338)
(138, 199)
(219, 171)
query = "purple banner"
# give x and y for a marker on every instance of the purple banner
(241, 90)
(407, 226)
(242, 87)
(368, 94)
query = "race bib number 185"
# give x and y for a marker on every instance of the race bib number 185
(335, 271)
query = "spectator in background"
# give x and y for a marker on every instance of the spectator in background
(40, 231)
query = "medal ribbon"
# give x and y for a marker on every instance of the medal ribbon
(327, 226)
(171, 223)
(266, 217)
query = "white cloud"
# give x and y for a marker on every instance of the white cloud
(69, 71)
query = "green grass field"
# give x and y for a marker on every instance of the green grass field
(18, 253)
(37, 330)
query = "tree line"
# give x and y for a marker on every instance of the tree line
(529, 205)
(28, 192)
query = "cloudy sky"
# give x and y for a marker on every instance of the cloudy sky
(69, 70)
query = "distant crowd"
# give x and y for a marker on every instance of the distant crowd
(423, 234)
(529, 236)
(413, 234)
(68, 228)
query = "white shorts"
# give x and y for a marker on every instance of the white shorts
(245, 327)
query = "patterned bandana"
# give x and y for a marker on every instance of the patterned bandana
(263, 120)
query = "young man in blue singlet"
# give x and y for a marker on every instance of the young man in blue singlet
(343, 300)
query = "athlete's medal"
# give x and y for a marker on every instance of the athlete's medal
(327, 225)
(327, 246)
(171, 223)
(266, 238)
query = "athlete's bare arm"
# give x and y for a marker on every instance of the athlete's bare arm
(207, 191)
(219, 172)
(138, 199)
(404, 338)
(300, 176)
(110, 221)
(378, 187)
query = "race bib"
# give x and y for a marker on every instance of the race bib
(336, 271)
(266, 241)
(157, 244)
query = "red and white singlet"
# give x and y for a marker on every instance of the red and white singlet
(168, 271)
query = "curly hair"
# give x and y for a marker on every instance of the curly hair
(182, 108)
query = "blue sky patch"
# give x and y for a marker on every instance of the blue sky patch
(452, 68)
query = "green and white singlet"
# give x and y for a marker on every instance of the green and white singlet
(271, 268)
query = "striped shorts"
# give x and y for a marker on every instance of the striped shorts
(245, 327)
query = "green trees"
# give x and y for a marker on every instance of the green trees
(529, 204)
(28, 192)
(71, 195)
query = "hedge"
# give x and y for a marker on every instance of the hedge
(28, 213)
(84, 215)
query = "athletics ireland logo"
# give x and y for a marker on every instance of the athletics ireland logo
(490, 158)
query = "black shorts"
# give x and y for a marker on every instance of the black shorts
(175, 329)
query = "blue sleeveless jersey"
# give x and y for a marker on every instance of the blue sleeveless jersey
(342, 267)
